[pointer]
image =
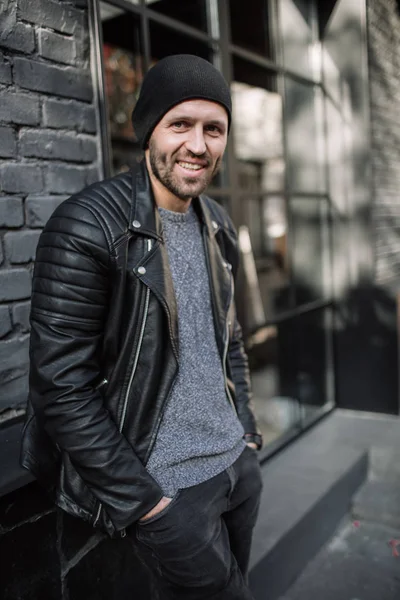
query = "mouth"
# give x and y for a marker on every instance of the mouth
(191, 169)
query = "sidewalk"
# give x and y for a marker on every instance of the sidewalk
(359, 558)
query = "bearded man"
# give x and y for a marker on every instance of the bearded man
(138, 415)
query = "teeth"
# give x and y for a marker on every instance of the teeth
(190, 166)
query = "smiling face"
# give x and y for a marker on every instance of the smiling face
(185, 151)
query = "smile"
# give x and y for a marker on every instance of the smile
(190, 166)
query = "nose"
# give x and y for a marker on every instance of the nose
(196, 143)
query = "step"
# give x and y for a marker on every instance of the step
(308, 489)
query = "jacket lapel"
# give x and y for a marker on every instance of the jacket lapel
(218, 272)
(155, 272)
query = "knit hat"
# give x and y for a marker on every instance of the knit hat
(171, 81)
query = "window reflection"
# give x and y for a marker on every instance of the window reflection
(165, 41)
(289, 372)
(311, 265)
(123, 69)
(257, 124)
(266, 226)
(299, 53)
(250, 26)
(304, 126)
(273, 377)
(191, 12)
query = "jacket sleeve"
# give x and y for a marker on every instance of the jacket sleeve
(69, 307)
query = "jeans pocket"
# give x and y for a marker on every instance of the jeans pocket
(162, 513)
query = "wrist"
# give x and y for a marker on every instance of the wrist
(254, 438)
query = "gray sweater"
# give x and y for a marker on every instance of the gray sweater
(200, 434)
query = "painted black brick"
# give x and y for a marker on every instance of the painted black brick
(24, 505)
(69, 115)
(31, 562)
(8, 142)
(11, 211)
(20, 246)
(57, 47)
(20, 177)
(20, 315)
(21, 37)
(14, 370)
(46, 13)
(54, 145)
(5, 321)
(15, 284)
(63, 179)
(5, 70)
(110, 570)
(52, 79)
(19, 108)
(39, 209)
(13, 353)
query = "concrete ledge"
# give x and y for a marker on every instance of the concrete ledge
(307, 490)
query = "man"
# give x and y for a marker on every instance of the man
(139, 415)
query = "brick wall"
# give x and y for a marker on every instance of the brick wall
(48, 150)
(384, 74)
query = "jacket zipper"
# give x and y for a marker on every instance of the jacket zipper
(135, 363)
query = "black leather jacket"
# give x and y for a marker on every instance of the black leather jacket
(105, 348)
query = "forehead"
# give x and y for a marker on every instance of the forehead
(198, 109)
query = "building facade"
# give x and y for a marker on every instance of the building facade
(310, 179)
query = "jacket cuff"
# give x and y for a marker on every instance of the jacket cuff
(254, 438)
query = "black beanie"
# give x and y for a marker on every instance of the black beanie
(171, 81)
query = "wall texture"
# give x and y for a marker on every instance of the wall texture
(384, 77)
(48, 150)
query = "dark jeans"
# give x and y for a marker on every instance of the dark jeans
(198, 547)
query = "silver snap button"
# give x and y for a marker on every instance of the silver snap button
(135, 224)
(141, 270)
(214, 224)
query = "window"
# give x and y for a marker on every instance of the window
(123, 71)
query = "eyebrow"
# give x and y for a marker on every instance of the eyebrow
(183, 117)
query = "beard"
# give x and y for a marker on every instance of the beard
(182, 187)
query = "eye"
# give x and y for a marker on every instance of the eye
(180, 125)
(213, 129)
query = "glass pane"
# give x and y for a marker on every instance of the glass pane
(273, 378)
(304, 129)
(312, 336)
(191, 12)
(165, 41)
(257, 127)
(265, 284)
(290, 372)
(250, 27)
(337, 164)
(331, 75)
(299, 53)
(123, 65)
(310, 249)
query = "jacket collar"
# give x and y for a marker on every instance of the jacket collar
(145, 219)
